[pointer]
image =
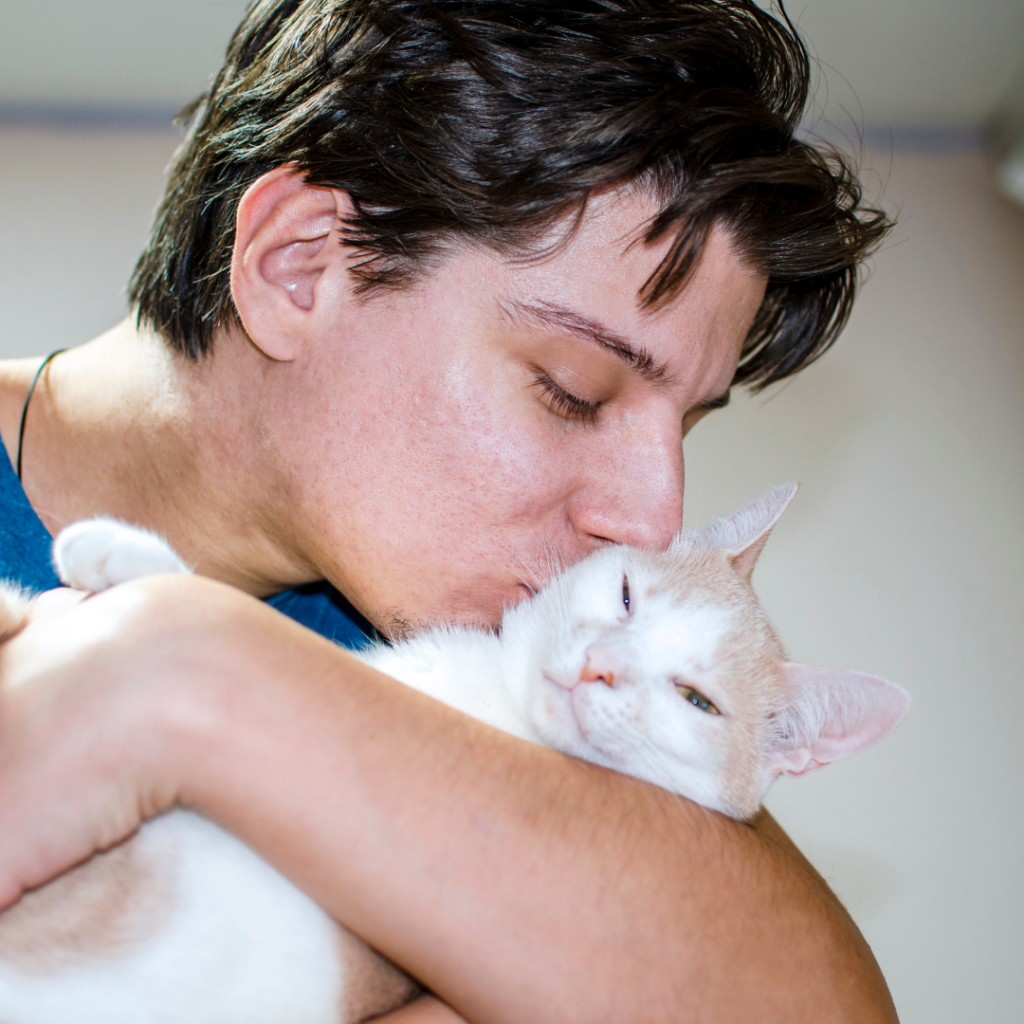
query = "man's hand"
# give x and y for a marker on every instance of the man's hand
(425, 1010)
(67, 782)
(54, 603)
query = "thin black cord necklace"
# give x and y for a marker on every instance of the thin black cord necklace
(28, 398)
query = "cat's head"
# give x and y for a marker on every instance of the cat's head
(663, 665)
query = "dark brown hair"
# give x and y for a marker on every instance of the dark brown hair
(490, 120)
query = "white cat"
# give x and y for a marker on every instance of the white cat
(661, 665)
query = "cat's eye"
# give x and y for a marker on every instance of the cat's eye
(625, 592)
(697, 699)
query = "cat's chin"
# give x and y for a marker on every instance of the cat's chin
(559, 724)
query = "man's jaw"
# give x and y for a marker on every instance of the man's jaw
(482, 603)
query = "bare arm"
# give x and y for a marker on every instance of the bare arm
(518, 884)
(425, 1010)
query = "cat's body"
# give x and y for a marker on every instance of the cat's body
(657, 664)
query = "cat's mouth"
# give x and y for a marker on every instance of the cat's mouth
(563, 715)
(563, 682)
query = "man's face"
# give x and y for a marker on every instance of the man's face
(461, 438)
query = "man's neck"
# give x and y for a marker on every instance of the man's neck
(124, 427)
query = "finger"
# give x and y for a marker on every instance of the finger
(52, 603)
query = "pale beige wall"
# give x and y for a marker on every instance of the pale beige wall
(75, 209)
(901, 556)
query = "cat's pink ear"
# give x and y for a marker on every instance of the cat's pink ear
(831, 714)
(742, 535)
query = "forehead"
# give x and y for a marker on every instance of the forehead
(602, 266)
(595, 267)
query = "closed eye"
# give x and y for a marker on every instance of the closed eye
(697, 699)
(566, 404)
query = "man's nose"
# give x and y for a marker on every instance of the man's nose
(633, 493)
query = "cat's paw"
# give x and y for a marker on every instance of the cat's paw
(98, 553)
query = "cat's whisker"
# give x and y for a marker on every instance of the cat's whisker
(534, 573)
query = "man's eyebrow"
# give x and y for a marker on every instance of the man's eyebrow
(568, 320)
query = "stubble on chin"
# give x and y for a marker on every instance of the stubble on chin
(398, 627)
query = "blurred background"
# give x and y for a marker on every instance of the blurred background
(903, 553)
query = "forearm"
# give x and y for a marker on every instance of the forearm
(517, 883)
(425, 1010)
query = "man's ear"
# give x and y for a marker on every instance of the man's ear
(282, 247)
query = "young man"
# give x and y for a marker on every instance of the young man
(434, 296)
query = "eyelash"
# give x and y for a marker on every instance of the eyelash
(568, 405)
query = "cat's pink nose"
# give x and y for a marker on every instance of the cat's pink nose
(600, 665)
(590, 674)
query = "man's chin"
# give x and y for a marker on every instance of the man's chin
(402, 627)
(480, 608)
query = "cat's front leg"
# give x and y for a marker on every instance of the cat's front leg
(98, 553)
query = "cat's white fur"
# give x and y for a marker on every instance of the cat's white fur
(230, 941)
(99, 553)
(604, 664)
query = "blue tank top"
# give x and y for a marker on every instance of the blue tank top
(25, 561)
